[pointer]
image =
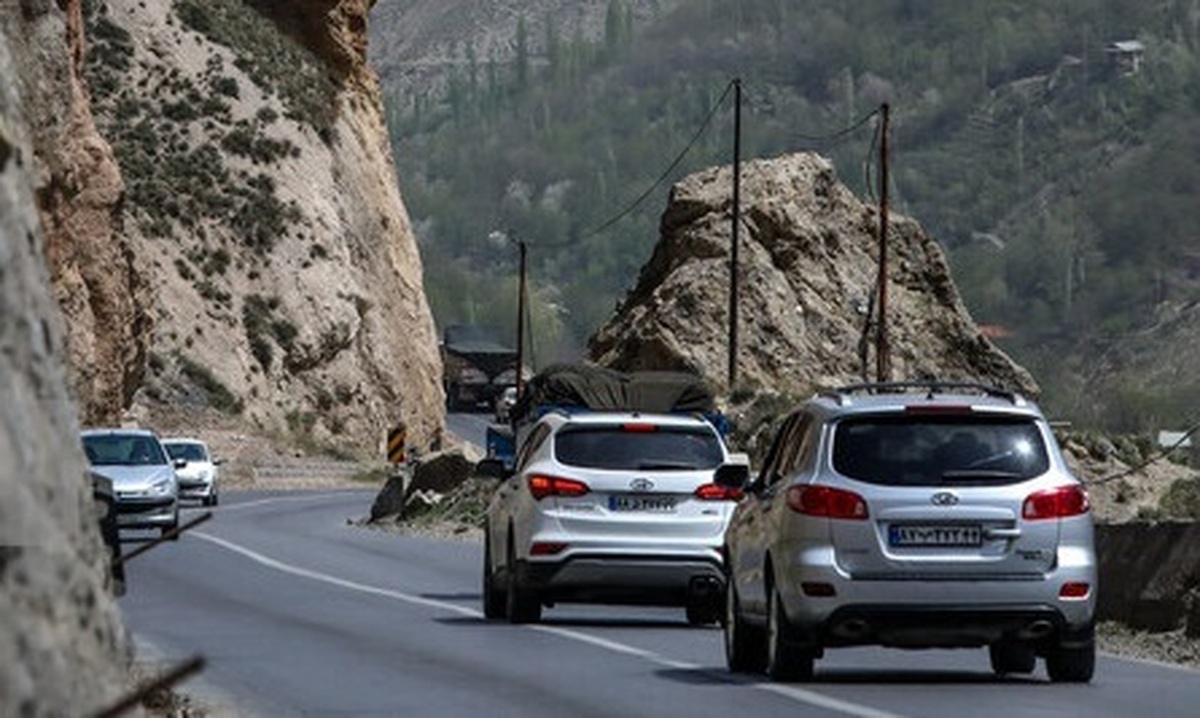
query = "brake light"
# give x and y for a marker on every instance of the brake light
(542, 486)
(716, 492)
(827, 501)
(1057, 503)
(1074, 589)
(938, 409)
(546, 548)
(639, 427)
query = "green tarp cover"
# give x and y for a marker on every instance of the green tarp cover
(599, 389)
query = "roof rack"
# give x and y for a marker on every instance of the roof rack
(842, 394)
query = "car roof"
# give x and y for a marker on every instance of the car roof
(903, 396)
(182, 440)
(583, 417)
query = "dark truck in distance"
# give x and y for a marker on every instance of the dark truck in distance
(476, 367)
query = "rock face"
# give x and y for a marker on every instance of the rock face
(808, 260)
(233, 236)
(63, 650)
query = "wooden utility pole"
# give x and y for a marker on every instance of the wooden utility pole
(883, 359)
(521, 319)
(737, 216)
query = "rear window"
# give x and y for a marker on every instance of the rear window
(618, 448)
(939, 451)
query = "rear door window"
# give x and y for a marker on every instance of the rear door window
(638, 448)
(939, 451)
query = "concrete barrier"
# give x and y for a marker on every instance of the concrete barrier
(1150, 574)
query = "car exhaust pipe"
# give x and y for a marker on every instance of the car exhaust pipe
(853, 629)
(1038, 629)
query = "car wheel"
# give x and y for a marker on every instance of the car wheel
(1009, 658)
(521, 604)
(1071, 665)
(785, 660)
(704, 610)
(169, 528)
(745, 645)
(493, 599)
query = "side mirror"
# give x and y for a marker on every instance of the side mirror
(218, 462)
(493, 469)
(732, 476)
(179, 463)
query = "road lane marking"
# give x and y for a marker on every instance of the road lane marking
(801, 695)
(280, 499)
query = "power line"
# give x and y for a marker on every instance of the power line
(1162, 453)
(661, 178)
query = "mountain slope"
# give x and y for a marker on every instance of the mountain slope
(277, 278)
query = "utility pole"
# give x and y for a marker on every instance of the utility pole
(883, 359)
(521, 319)
(737, 216)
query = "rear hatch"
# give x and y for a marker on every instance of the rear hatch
(945, 493)
(646, 483)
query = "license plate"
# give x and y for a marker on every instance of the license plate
(636, 502)
(934, 535)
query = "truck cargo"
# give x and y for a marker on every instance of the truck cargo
(476, 367)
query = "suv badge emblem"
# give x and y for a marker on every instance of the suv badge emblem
(944, 498)
(641, 484)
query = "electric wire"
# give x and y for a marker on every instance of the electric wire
(657, 183)
(1161, 454)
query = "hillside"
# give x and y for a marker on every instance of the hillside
(231, 235)
(1053, 175)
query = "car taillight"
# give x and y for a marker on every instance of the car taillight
(827, 501)
(716, 492)
(547, 548)
(1057, 503)
(1075, 590)
(542, 486)
(639, 427)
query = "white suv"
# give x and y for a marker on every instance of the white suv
(943, 518)
(610, 507)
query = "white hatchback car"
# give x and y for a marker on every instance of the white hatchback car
(198, 476)
(610, 507)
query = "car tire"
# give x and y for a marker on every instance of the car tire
(163, 531)
(494, 600)
(745, 645)
(1071, 665)
(786, 661)
(704, 610)
(521, 604)
(1012, 658)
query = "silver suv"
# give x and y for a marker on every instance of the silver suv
(912, 515)
(610, 507)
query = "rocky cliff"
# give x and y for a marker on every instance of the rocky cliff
(232, 237)
(62, 648)
(808, 257)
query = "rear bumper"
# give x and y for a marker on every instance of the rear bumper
(946, 626)
(621, 579)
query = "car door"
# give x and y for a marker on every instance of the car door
(511, 503)
(757, 520)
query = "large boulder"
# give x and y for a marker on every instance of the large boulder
(808, 265)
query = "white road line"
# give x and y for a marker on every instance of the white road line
(281, 499)
(791, 692)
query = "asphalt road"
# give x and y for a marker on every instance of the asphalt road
(299, 611)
